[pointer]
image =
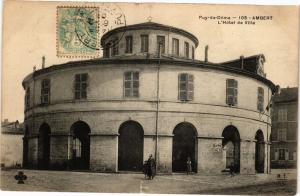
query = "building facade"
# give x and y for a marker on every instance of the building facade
(284, 129)
(148, 95)
(11, 144)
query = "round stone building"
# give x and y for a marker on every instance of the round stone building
(148, 95)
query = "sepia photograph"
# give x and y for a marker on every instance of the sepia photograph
(151, 98)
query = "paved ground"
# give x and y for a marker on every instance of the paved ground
(135, 183)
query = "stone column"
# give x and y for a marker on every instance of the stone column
(104, 152)
(247, 156)
(210, 155)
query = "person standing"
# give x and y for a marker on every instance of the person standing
(145, 168)
(188, 166)
(151, 167)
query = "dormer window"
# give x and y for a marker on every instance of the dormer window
(106, 51)
(128, 48)
(186, 49)
(175, 47)
(161, 43)
(144, 43)
(115, 48)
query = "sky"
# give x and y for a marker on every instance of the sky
(29, 32)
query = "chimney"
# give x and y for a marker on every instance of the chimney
(34, 68)
(206, 54)
(242, 61)
(43, 62)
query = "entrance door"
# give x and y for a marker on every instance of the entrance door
(184, 146)
(131, 145)
(44, 146)
(231, 141)
(80, 145)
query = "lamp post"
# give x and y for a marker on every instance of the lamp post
(157, 105)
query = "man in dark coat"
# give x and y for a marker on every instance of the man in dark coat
(151, 167)
(145, 168)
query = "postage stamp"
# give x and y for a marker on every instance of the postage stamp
(80, 28)
(77, 31)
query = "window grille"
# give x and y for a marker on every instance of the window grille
(81, 84)
(231, 92)
(45, 91)
(186, 87)
(260, 99)
(131, 84)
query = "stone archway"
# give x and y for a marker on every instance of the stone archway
(131, 146)
(44, 146)
(259, 152)
(80, 145)
(184, 146)
(231, 142)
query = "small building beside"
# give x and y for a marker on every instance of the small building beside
(11, 144)
(284, 129)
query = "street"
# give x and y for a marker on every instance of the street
(38, 180)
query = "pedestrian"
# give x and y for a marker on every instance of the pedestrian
(231, 170)
(188, 166)
(151, 167)
(145, 168)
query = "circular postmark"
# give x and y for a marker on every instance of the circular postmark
(111, 17)
(86, 26)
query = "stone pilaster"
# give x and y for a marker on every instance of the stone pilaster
(210, 155)
(104, 152)
(247, 157)
(165, 146)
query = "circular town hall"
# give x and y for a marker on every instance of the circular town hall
(148, 95)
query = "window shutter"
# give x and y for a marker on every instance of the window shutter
(286, 154)
(235, 92)
(260, 99)
(276, 154)
(227, 93)
(179, 76)
(190, 87)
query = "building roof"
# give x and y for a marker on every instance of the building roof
(12, 127)
(150, 60)
(248, 63)
(150, 25)
(287, 95)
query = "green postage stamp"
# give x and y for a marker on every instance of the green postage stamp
(77, 31)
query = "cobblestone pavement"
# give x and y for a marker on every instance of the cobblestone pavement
(135, 183)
